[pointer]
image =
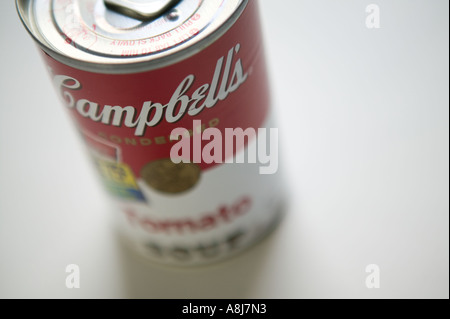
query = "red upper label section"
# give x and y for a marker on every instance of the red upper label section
(224, 86)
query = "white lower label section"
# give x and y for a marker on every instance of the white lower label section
(231, 207)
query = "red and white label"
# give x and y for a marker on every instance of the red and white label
(127, 121)
(224, 86)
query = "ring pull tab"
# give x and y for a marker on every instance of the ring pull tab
(140, 9)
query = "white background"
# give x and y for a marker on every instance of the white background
(364, 117)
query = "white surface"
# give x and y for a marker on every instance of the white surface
(364, 117)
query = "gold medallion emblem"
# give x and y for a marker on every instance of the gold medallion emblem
(168, 177)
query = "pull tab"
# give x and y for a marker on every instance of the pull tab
(140, 9)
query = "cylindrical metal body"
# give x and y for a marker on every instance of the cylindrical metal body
(129, 83)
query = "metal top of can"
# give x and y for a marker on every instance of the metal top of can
(117, 36)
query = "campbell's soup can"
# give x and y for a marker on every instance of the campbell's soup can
(172, 101)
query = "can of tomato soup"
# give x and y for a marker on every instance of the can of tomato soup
(168, 96)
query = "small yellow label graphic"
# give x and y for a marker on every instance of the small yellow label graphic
(119, 179)
(117, 173)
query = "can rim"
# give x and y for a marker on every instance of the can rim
(127, 66)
